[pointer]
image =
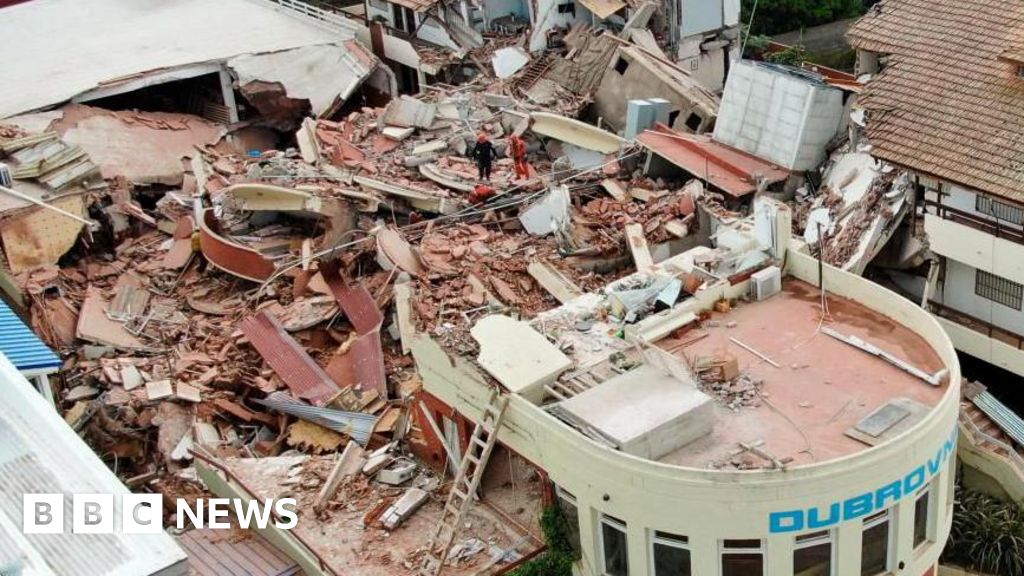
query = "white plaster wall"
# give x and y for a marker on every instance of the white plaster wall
(547, 17)
(982, 250)
(498, 8)
(778, 116)
(376, 9)
(709, 505)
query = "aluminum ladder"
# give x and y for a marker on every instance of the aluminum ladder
(467, 480)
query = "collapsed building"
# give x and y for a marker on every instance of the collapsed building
(266, 283)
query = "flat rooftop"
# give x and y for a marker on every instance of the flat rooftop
(822, 388)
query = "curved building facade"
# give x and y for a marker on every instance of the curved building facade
(810, 454)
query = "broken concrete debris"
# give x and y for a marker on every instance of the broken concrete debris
(241, 304)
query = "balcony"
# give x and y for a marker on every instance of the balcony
(1004, 230)
(996, 248)
(981, 339)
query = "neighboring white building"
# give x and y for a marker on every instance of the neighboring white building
(819, 458)
(944, 102)
(41, 454)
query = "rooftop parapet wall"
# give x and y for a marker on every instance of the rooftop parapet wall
(637, 487)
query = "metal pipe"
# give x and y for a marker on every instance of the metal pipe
(92, 225)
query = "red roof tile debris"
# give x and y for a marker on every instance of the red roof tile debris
(355, 301)
(362, 366)
(288, 359)
(945, 104)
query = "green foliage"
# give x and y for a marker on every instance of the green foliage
(987, 534)
(792, 56)
(755, 43)
(558, 559)
(778, 16)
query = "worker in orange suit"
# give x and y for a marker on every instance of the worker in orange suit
(481, 193)
(517, 150)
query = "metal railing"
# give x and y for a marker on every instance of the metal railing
(329, 19)
(999, 229)
(977, 324)
(979, 436)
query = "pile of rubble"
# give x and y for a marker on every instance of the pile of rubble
(264, 308)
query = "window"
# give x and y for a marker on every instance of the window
(567, 8)
(812, 554)
(999, 210)
(621, 65)
(567, 502)
(742, 558)
(921, 506)
(874, 545)
(613, 543)
(693, 121)
(671, 554)
(998, 289)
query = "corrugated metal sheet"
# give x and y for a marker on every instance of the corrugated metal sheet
(39, 453)
(21, 346)
(362, 366)
(355, 425)
(1005, 418)
(288, 359)
(356, 301)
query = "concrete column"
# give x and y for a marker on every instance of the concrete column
(639, 563)
(46, 389)
(904, 544)
(227, 92)
(703, 554)
(590, 538)
(848, 547)
(779, 555)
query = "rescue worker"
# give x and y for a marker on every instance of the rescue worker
(484, 154)
(517, 150)
(481, 193)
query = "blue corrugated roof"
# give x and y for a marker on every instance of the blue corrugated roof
(21, 346)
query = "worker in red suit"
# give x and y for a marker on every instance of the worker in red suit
(517, 150)
(481, 193)
(484, 154)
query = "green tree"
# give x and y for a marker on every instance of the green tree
(778, 16)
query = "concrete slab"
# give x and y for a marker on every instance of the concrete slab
(518, 356)
(649, 412)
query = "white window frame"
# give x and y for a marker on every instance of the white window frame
(886, 515)
(671, 542)
(829, 537)
(618, 525)
(562, 494)
(929, 527)
(723, 551)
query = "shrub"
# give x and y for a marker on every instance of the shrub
(987, 534)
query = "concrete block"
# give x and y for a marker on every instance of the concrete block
(518, 356)
(639, 117)
(403, 508)
(647, 411)
(397, 473)
(661, 109)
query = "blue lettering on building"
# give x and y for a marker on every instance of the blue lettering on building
(864, 504)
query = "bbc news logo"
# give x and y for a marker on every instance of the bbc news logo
(143, 513)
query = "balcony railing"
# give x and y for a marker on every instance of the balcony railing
(999, 447)
(1005, 230)
(977, 324)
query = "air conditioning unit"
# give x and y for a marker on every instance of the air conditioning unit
(766, 283)
(5, 176)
